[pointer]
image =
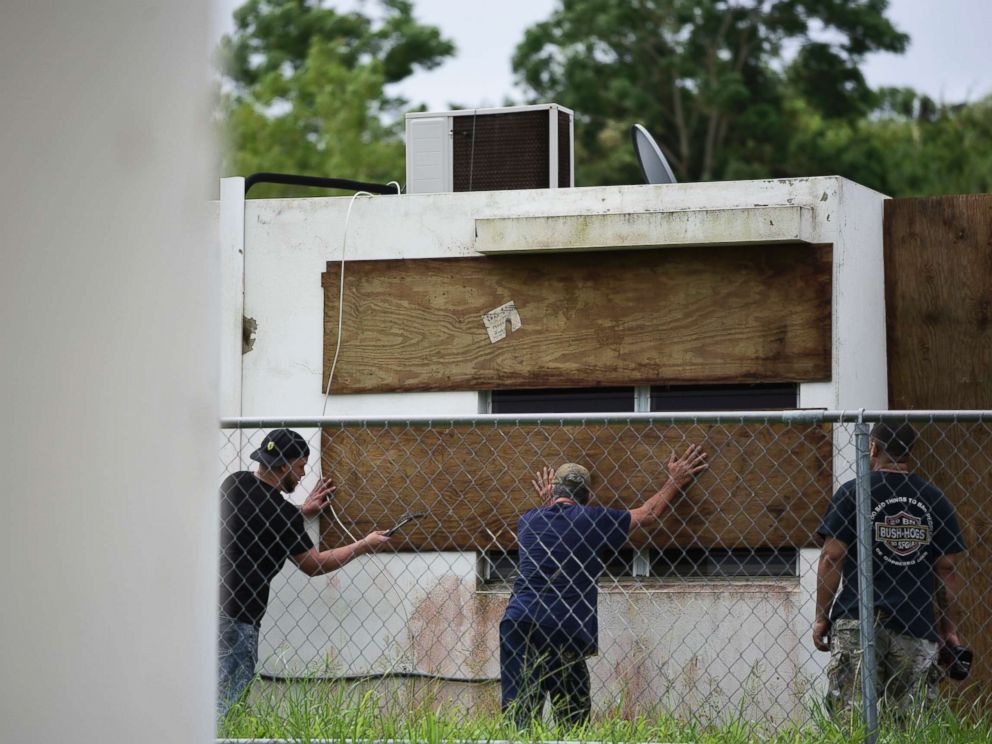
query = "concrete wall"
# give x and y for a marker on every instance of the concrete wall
(715, 645)
(108, 379)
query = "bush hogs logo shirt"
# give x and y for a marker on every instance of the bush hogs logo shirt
(561, 549)
(259, 531)
(912, 524)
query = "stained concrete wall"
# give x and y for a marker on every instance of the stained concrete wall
(705, 647)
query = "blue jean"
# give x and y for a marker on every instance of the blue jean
(535, 663)
(237, 654)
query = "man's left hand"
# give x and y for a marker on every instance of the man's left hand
(821, 634)
(319, 498)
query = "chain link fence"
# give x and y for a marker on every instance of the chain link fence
(707, 613)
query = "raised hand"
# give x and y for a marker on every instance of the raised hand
(683, 469)
(319, 498)
(542, 484)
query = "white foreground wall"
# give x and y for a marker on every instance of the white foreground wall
(108, 379)
(336, 625)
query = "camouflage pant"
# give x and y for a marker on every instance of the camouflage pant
(907, 673)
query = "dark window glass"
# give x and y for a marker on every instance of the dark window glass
(498, 567)
(775, 396)
(564, 400)
(619, 564)
(720, 562)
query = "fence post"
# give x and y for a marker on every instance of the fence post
(866, 586)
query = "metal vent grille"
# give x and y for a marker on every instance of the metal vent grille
(511, 151)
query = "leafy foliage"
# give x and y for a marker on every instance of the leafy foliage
(732, 89)
(909, 146)
(305, 89)
(708, 77)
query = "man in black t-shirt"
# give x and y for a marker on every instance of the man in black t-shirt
(260, 529)
(915, 541)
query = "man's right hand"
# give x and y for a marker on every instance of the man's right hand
(821, 634)
(543, 484)
(683, 469)
(375, 540)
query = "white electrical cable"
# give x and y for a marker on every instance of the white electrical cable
(337, 349)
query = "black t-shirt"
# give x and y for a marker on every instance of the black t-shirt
(912, 525)
(259, 531)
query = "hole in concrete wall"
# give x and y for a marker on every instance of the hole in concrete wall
(248, 328)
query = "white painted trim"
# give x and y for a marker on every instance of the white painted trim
(232, 257)
(553, 146)
(486, 111)
(612, 231)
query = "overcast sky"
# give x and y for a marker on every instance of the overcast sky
(948, 58)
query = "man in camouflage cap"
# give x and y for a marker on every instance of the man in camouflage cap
(550, 625)
(915, 542)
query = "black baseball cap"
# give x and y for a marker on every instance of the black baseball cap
(281, 447)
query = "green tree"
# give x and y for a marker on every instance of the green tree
(907, 146)
(304, 89)
(707, 77)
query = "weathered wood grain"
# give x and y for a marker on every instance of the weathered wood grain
(767, 485)
(938, 288)
(761, 313)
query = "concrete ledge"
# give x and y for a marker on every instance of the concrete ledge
(586, 232)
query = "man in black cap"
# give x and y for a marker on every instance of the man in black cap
(915, 544)
(550, 625)
(260, 529)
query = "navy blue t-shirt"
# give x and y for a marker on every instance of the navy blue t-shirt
(912, 525)
(561, 549)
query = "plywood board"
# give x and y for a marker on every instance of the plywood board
(938, 292)
(767, 486)
(938, 288)
(691, 315)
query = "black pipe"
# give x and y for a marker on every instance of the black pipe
(377, 675)
(289, 179)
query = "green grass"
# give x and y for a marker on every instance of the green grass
(313, 710)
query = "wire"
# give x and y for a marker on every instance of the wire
(337, 348)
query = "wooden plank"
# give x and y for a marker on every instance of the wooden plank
(628, 317)
(938, 286)
(938, 297)
(767, 485)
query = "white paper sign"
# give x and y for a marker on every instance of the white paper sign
(497, 319)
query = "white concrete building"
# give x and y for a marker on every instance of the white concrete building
(699, 645)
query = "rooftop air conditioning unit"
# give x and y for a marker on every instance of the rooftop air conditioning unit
(518, 147)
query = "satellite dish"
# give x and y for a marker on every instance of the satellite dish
(653, 164)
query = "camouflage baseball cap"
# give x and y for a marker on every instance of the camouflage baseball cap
(571, 475)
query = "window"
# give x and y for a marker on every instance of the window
(564, 400)
(762, 396)
(500, 567)
(724, 397)
(724, 563)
